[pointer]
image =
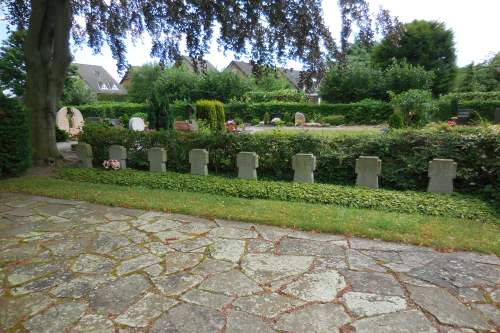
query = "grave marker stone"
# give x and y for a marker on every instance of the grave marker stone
(118, 153)
(441, 174)
(368, 169)
(304, 166)
(300, 119)
(199, 161)
(463, 116)
(157, 158)
(247, 163)
(84, 153)
(136, 124)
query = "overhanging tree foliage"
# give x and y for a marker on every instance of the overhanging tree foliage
(267, 31)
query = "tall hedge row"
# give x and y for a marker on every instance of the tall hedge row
(111, 109)
(482, 108)
(15, 143)
(405, 154)
(364, 112)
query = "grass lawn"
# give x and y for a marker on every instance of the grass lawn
(438, 232)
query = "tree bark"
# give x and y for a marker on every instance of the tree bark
(47, 60)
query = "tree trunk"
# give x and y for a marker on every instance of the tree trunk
(47, 61)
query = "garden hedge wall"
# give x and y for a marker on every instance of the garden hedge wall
(364, 112)
(15, 142)
(112, 97)
(405, 154)
(111, 109)
(484, 108)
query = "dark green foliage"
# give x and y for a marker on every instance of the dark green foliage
(76, 91)
(223, 86)
(364, 112)
(12, 64)
(175, 83)
(353, 197)
(142, 79)
(416, 106)
(360, 80)
(111, 109)
(213, 113)
(112, 97)
(61, 136)
(405, 154)
(480, 77)
(15, 144)
(396, 120)
(423, 43)
(351, 83)
(470, 96)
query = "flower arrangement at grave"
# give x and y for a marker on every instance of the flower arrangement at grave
(111, 164)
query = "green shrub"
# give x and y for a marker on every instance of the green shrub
(354, 197)
(364, 112)
(266, 118)
(285, 95)
(142, 115)
(103, 97)
(212, 112)
(333, 120)
(396, 120)
(15, 144)
(405, 154)
(111, 109)
(61, 136)
(416, 106)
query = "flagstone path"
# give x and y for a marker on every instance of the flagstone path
(68, 266)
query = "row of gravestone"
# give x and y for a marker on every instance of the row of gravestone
(368, 168)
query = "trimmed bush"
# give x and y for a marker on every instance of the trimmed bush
(396, 120)
(213, 113)
(474, 96)
(285, 95)
(15, 145)
(111, 109)
(333, 120)
(102, 97)
(354, 197)
(405, 154)
(364, 112)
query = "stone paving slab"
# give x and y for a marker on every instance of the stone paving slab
(72, 266)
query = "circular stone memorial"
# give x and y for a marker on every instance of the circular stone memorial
(70, 120)
(136, 124)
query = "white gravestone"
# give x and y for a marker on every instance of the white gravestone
(157, 158)
(300, 119)
(136, 124)
(199, 161)
(70, 120)
(441, 175)
(118, 153)
(304, 166)
(247, 163)
(368, 169)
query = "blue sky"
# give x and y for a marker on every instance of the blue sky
(476, 26)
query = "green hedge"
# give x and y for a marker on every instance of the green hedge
(15, 143)
(111, 109)
(472, 96)
(483, 108)
(285, 95)
(364, 112)
(404, 153)
(347, 196)
(112, 97)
